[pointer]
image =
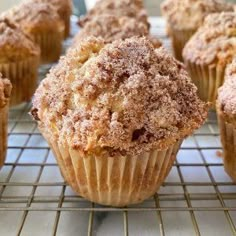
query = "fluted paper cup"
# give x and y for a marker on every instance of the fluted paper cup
(207, 78)
(23, 76)
(115, 181)
(228, 139)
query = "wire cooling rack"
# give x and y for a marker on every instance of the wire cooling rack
(197, 198)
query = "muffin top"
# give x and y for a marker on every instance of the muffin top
(227, 93)
(14, 43)
(35, 17)
(111, 27)
(122, 98)
(5, 91)
(62, 6)
(130, 8)
(214, 42)
(190, 14)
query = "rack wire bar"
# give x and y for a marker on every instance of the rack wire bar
(197, 198)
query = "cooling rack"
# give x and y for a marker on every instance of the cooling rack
(197, 198)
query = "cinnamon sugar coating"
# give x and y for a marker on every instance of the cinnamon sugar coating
(36, 17)
(5, 91)
(130, 8)
(123, 98)
(14, 43)
(214, 42)
(111, 28)
(190, 14)
(227, 93)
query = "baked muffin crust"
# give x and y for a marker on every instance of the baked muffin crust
(35, 17)
(214, 42)
(227, 93)
(111, 27)
(123, 98)
(130, 8)
(5, 91)
(14, 43)
(190, 14)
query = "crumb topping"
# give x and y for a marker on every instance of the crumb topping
(214, 42)
(122, 98)
(5, 91)
(111, 28)
(130, 8)
(33, 16)
(14, 43)
(227, 93)
(190, 14)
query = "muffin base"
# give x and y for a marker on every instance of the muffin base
(23, 76)
(115, 181)
(3, 133)
(66, 19)
(207, 79)
(50, 44)
(179, 38)
(228, 139)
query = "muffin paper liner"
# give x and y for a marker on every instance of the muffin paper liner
(50, 44)
(228, 139)
(179, 38)
(3, 133)
(207, 79)
(23, 76)
(116, 181)
(66, 20)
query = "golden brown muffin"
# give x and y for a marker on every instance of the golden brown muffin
(5, 92)
(226, 109)
(184, 17)
(208, 52)
(111, 28)
(19, 59)
(115, 116)
(64, 10)
(42, 22)
(130, 8)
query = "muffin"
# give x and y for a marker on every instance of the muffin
(208, 52)
(185, 16)
(64, 10)
(115, 116)
(130, 8)
(111, 27)
(42, 22)
(5, 92)
(19, 59)
(226, 110)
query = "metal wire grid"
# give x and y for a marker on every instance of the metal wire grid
(197, 198)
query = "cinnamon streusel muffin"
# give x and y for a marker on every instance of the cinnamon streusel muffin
(130, 8)
(208, 52)
(115, 116)
(19, 59)
(42, 22)
(185, 16)
(5, 92)
(111, 28)
(64, 10)
(226, 109)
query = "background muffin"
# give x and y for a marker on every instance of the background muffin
(208, 52)
(130, 8)
(115, 116)
(42, 22)
(19, 59)
(226, 109)
(111, 28)
(5, 92)
(64, 10)
(185, 16)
